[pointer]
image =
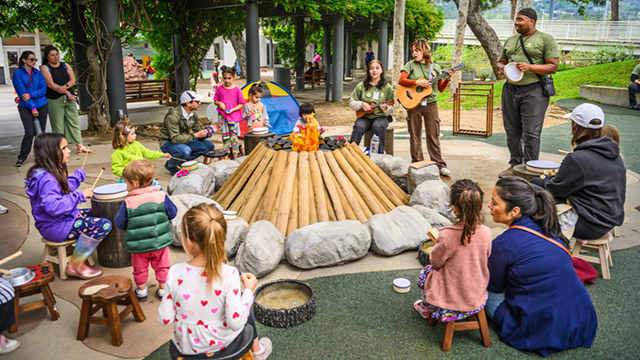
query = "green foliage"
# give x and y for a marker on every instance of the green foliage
(423, 19)
(473, 57)
(579, 57)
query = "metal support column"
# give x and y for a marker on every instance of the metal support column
(300, 48)
(408, 54)
(253, 42)
(326, 58)
(338, 58)
(383, 44)
(81, 64)
(115, 69)
(272, 61)
(347, 64)
(181, 69)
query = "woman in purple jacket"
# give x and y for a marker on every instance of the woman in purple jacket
(54, 203)
(31, 88)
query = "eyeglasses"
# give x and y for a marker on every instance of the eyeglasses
(32, 59)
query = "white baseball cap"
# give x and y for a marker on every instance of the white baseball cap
(584, 113)
(189, 96)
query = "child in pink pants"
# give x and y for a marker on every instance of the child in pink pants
(146, 218)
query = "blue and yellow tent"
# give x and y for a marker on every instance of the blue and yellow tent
(282, 107)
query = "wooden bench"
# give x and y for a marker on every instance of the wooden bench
(315, 77)
(147, 90)
(388, 140)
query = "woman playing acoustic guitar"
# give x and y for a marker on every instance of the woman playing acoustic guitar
(372, 99)
(417, 72)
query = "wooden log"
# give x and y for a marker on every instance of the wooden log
(313, 212)
(294, 214)
(341, 178)
(361, 202)
(234, 177)
(348, 211)
(364, 175)
(358, 184)
(303, 189)
(242, 198)
(387, 180)
(242, 179)
(264, 211)
(330, 211)
(257, 194)
(381, 184)
(273, 215)
(319, 188)
(331, 186)
(287, 189)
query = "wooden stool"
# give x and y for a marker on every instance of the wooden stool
(477, 321)
(217, 154)
(52, 251)
(39, 285)
(117, 292)
(388, 140)
(601, 246)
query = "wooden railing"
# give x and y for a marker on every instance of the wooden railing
(147, 90)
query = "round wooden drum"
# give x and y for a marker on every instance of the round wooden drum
(105, 203)
(189, 165)
(251, 140)
(521, 170)
(512, 72)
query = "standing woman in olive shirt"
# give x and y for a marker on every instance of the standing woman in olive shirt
(422, 67)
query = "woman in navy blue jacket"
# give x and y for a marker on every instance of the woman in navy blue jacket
(31, 88)
(535, 297)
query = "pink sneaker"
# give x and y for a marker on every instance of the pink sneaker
(421, 309)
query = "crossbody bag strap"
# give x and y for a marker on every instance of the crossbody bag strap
(528, 57)
(542, 236)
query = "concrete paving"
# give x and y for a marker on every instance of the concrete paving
(466, 159)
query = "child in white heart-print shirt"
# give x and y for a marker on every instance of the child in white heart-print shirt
(204, 297)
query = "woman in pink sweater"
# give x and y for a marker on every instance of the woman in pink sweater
(456, 284)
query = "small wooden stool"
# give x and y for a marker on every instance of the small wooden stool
(52, 251)
(450, 327)
(94, 298)
(39, 285)
(601, 246)
(217, 154)
(388, 140)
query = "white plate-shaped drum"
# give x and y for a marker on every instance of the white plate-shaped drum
(512, 73)
(540, 166)
(401, 285)
(189, 165)
(110, 191)
(259, 130)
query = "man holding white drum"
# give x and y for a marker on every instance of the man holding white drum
(525, 98)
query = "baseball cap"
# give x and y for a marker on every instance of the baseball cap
(583, 114)
(189, 96)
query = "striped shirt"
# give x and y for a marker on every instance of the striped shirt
(6, 291)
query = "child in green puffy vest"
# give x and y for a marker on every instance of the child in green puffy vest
(146, 218)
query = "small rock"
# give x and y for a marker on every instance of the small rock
(237, 230)
(428, 192)
(241, 159)
(395, 167)
(262, 250)
(200, 181)
(403, 228)
(327, 243)
(418, 176)
(222, 171)
(432, 216)
(183, 203)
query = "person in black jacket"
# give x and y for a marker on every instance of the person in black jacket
(592, 179)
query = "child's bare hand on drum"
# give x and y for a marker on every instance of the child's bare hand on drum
(88, 193)
(249, 281)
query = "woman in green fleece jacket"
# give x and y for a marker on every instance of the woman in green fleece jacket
(127, 149)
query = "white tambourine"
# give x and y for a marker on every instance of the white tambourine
(512, 72)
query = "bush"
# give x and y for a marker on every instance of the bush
(578, 58)
(474, 57)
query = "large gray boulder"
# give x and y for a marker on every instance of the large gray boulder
(396, 231)
(200, 181)
(429, 192)
(432, 216)
(240, 159)
(183, 203)
(237, 230)
(395, 167)
(327, 243)
(416, 177)
(222, 171)
(262, 250)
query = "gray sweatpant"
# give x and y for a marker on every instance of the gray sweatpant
(523, 109)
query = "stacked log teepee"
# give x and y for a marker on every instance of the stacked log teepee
(293, 190)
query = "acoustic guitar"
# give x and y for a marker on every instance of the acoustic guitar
(410, 97)
(361, 113)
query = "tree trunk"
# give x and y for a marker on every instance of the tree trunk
(98, 117)
(461, 27)
(514, 4)
(485, 34)
(399, 112)
(240, 47)
(523, 4)
(615, 10)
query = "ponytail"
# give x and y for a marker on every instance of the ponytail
(547, 216)
(467, 198)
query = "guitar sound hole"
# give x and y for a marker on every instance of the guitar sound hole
(419, 89)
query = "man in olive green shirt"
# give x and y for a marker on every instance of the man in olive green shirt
(523, 103)
(634, 88)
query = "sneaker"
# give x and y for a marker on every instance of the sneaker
(506, 173)
(637, 107)
(445, 172)
(265, 349)
(20, 162)
(10, 346)
(171, 171)
(141, 294)
(160, 293)
(421, 310)
(3, 210)
(631, 107)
